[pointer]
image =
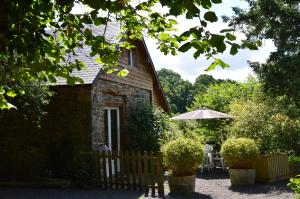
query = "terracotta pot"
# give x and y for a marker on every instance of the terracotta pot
(184, 184)
(242, 176)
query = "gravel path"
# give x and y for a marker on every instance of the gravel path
(216, 185)
(213, 185)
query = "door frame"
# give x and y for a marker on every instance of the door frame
(109, 108)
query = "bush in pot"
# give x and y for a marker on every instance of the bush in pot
(294, 184)
(240, 154)
(182, 157)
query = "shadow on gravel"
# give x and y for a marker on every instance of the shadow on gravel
(213, 174)
(278, 187)
(192, 195)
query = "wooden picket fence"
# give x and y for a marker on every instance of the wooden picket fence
(133, 170)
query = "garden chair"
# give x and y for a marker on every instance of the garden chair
(217, 158)
(208, 158)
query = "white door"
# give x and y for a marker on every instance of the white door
(112, 131)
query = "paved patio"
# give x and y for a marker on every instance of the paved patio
(209, 185)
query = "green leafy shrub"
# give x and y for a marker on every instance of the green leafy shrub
(168, 135)
(294, 159)
(182, 156)
(240, 153)
(145, 125)
(268, 123)
(294, 184)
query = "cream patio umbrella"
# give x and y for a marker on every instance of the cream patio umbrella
(202, 114)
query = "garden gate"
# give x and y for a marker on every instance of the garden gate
(133, 170)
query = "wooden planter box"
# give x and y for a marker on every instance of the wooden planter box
(294, 169)
(271, 168)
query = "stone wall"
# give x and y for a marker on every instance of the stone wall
(113, 94)
(28, 151)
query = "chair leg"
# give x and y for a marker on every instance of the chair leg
(222, 164)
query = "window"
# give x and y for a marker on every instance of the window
(132, 58)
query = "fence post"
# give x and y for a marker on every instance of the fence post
(127, 170)
(98, 169)
(122, 169)
(104, 169)
(139, 168)
(133, 167)
(160, 175)
(114, 157)
(110, 169)
(152, 172)
(146, 173)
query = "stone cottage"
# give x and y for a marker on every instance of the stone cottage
(81, 117)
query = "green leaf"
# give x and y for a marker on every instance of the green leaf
(210, 16)
(173, 22)
(72, 80)
(123, 73)
(185, 47)
(259, 43)
(227, 30)
(99, 20)
(197, 54)
(217, 62)
(206, 4)
(218, 42)
(184, 36)
(196, 32)
(2, 91)
(216, 1)
(230, 37)
(6, 105)
(234, 49)
(98, 60)
(249, 45)
(110, 71)
(11, 93)
(164, 36)
(203, 23)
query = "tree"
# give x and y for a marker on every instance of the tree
(220, 95)
(28, 52)
(178, 91)
(202, 82)
(217, 97)
(277, 20)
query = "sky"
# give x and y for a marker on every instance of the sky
(189, 68)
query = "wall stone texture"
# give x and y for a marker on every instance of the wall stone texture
(113, 94)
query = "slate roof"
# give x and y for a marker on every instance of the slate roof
(89, 73)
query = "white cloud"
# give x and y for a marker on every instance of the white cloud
(240, 74)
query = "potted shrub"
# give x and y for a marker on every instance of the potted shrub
(294, 184)
(182, 158)
(240, 154)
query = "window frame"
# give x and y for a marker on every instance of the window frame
(132, 59)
